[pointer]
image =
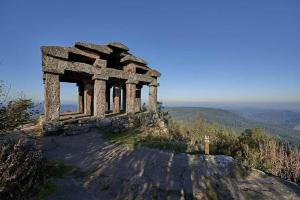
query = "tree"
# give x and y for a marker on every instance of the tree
(13, 112)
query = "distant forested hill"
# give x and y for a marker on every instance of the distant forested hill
(280, 127)
(289, 119)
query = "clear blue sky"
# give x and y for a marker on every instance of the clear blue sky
(207, 51)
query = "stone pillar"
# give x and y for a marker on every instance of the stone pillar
(88, 95)
(124, 99)
(138, 94)
(52, 97)
(99, 98)
(107, 104)
(80, 98)
(153, 97)
(117, 99)
(130, 96)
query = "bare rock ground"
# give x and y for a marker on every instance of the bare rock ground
(114, 172)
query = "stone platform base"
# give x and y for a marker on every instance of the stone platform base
(72, 123)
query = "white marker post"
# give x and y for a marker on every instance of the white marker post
(206, 145)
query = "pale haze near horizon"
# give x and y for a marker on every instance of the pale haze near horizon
(212, 53)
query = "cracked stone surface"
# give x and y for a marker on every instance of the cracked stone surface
(114, 172)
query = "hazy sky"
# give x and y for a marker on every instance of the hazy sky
(207, 51)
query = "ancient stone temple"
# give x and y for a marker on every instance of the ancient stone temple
(98, 71)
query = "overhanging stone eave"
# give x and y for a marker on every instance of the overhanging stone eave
(65, 52)
(118, 45)
(102, 49)
(133, 59)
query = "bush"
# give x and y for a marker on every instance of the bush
(21, 166)
(14, 112)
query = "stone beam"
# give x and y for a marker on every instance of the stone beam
(52, 97)
(110, 72)
(58, 66)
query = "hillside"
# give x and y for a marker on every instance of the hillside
(285, 118)
(237, 122)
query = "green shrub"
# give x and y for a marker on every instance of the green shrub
(14, 112)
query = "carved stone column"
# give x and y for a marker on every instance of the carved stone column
(99, 96)
(117, 99)
(52, 97)
(130, 96)
(153, 97)
(88, 95)
(80, 98)
(138, 94)
(124, 98)
(107, 106)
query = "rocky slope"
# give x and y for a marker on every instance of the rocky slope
(113, 172)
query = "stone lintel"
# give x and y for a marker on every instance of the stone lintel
(133, 59)
(94, 47)
(100, 77)
(110, 72)
(56, 51)
(118, 45)
(54, 65)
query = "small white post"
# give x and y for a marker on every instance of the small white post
(206, 145)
